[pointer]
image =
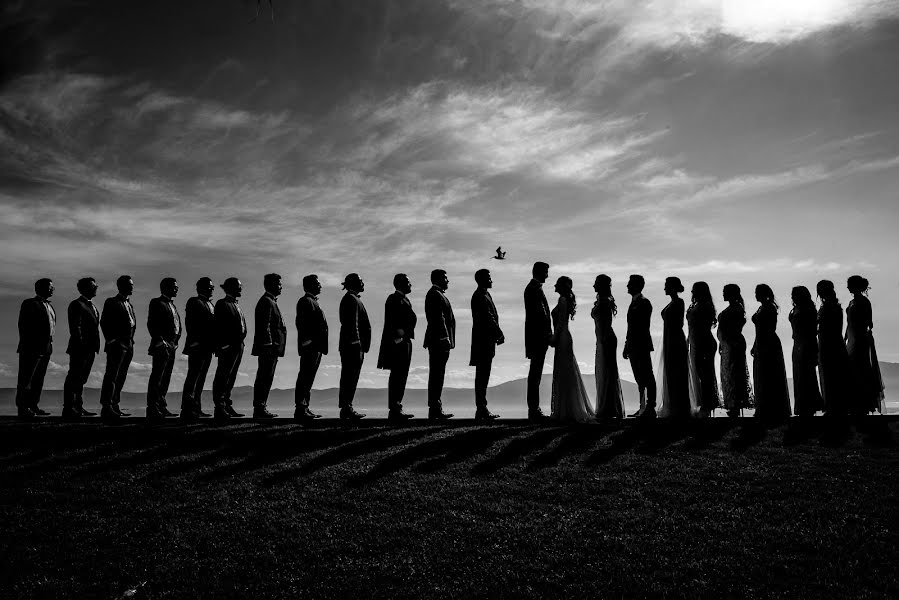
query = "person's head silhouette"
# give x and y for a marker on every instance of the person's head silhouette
(635, 284)
(353, 283)
(233, 287)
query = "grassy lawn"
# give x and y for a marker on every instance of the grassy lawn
(712, 509)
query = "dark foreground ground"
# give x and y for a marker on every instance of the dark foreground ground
(716, 508)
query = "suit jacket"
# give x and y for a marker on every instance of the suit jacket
(485, 331)
(441, 320)
(199, 321)
(538, 325)
(398, 315)
(355, 328)
(270, 338)
(163, 323)
(118, 323)
(312, 326)
(638, 337)
(84, 327)
(37, 323)
(230, 324)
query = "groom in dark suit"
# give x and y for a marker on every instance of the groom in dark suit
(118, 323)
(199, 323)
(440, 339)
(538, 333)
(37, 324)
(355, 341)
(312, 340)
(269, 344)
(485, 337)
(395, 352)
(84, 344)
(164, 325)
(231, 331)
(638, 346)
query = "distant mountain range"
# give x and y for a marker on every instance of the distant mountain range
(507, 399)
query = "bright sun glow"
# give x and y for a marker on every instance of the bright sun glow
(781, 20)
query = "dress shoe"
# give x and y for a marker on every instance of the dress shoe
(166, 412)
(310, 415)
(221, 414)
(203, 415)
(86, 413)
(108, 415)
(398, 416)
(485, 416)
(536, 415)
(119, 411)
(233, 413)
(439, 415)
(26, 413)
(40, 412)
(155, 416)
(348, 414)
(71, 414)
(262, 413)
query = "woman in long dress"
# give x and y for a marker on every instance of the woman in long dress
(807, 398)
(569, 397)
(833, 360)
(702, 349)
(868, 396)
(609, 399)
(674, 375)
(772, 393)
(735, 386)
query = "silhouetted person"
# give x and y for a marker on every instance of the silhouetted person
(638, 346)
(833, 358)
(199, 323)
(231, 330)
(312, 341)
(164, 325)
(84, 344)
(118, 324)
(701, 319)
(769, 373)
(269, 344)
(355, 341)
(440, 339)
(609, 398)
(675, 380)
(538, 333)
(37, 324)
(735, 386)
(486, 335)
(395, 352)
(868, 395)
(804, 320)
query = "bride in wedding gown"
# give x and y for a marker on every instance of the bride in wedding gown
(569, 396)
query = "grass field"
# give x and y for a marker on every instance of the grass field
(712, 509)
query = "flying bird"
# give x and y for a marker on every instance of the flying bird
(500, 255)
(259, 9)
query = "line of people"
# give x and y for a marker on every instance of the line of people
(688, 384)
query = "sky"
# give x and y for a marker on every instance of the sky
(728, 141)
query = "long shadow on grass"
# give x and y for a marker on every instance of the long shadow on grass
(875, 431)
(574, 442)
(751, 432)
(658, 434)
(279, 449)
(624, 441)
(516, 449)
(800, 430)
(706, 432)
(480, 437)
(474, 446)
(385, 440)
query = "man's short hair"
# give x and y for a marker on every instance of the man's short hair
(437, 276)
(204, 282)
(231, 284)
(481, 276)
(399, 278)
(41, 284)
(84, 284)
(539, 267)
(638, 281)
(309, 281)
(166, 283)
(270, 279)
(122, 280)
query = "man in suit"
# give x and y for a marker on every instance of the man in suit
(395, 353)
(355, 341)
(638, 346)
(37, 324)
(538, 333)
(199, 322)
(440, 339)
(231, 331)
(84, 344)
(269, 344)
(486, 335)
(312, 341)
(164, 325)
(118, 324)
